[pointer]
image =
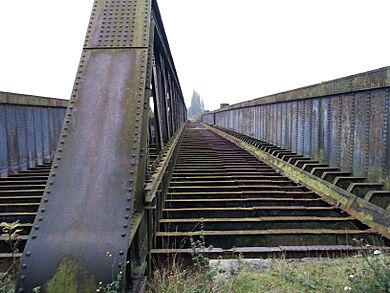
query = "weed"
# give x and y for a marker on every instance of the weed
(196, 278)
(115, 285)
(7, 284)
(12, 239)
(372, 275)
(201, 262)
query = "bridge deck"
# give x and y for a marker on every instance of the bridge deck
(226, 198)
(219, 194)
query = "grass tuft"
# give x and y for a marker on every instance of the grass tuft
(357, 274)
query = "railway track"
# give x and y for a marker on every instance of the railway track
(238, 204)
(222, 193)
(20, 196)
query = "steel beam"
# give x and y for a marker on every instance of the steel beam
(92, 226)
(342, 122)
(81, 233)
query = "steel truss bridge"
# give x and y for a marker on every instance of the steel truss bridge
(116, 180)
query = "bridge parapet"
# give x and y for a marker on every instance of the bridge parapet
(29, 130)
(343, 122)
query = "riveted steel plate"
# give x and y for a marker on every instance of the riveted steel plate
(3, 146)
(361, 129)
(377, 130)
(118, 24)
(347, 131)
(94, 174)
(334, 154)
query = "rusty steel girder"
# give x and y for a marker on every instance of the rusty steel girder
(332, 136)
(372, 215)
(342, 126)
(95, 192)
(342, 122)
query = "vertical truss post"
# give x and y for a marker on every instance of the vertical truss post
(81, 233)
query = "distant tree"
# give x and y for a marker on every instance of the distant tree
(197, 106)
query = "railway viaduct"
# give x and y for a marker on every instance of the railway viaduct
(116, 179)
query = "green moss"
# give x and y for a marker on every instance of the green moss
(375, 174)
(386, 183)
(299, 176)
(321, 155)
(70, 277)
(324, 189)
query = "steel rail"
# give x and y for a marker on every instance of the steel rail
(370, 214)
(151, 187)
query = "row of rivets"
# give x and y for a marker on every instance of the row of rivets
(328, 127)
(352, 132)
(367, 132)
(339, 125)
(68, 115)
(385, 135)
(111, 24)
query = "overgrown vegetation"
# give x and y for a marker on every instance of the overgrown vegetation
(11, 234)
(7, 284)
(354, 274)
(365, 273)
(197, 278)
(115, 285)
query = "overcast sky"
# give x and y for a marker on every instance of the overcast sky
(229, 51)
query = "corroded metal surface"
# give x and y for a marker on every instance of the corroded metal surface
(92, 223)
(28, 100)
(30, 127)
(343, 123)
(235, 201)
(95, 170)
(375, 216)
